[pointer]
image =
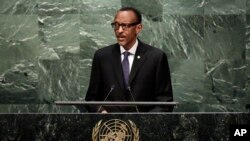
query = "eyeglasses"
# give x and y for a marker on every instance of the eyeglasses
(125, 26)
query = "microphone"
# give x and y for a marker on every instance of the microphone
(110, 91)
(130, 92)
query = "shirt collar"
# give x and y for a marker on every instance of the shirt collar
(132, 50)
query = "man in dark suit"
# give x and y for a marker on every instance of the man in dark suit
(129, 70)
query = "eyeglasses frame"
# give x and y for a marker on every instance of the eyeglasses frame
(124, 26)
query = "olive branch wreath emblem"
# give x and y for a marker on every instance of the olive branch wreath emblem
(96, 130)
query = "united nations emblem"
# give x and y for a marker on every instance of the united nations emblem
(115, 130)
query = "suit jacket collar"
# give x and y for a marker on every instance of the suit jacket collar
(139, 59)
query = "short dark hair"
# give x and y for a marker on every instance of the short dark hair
(136, 12)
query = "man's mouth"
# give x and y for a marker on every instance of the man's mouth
(121, 37)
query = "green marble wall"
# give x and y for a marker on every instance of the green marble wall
(46, 47)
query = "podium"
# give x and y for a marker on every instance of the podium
(144, 127)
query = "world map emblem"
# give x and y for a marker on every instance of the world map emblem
(115, 130)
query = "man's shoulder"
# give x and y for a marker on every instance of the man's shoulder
(151, 49)
(106, 49)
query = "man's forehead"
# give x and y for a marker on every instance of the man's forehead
(125, 15)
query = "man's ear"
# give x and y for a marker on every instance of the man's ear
(139, 28)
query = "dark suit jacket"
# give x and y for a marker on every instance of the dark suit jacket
(149, 79)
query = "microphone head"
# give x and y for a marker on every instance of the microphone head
(112, 86)
(129, 88)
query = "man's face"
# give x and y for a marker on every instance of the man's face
(126, 35)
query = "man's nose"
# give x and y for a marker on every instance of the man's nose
(120, 29)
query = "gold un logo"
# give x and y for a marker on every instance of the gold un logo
(115, 130)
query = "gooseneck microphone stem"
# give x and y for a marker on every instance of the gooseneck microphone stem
(110, 91)
(130, 92)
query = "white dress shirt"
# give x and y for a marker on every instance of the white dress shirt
(131, 55)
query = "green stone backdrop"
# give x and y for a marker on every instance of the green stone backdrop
(46, 49)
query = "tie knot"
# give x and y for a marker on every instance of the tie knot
(126, 54)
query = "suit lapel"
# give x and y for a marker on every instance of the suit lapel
(117, 66)
(139, 58)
